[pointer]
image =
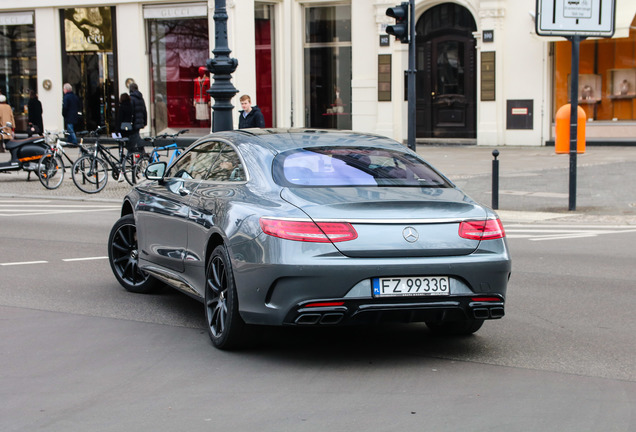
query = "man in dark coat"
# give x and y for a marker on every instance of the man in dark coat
(70, 110)
(140, 115)
(35, 114)
(250, 116)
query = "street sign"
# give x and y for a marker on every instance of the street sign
(586, 18)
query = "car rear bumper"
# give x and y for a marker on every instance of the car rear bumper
(404, 311)
(276, 289)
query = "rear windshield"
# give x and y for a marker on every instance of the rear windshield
(353, 166)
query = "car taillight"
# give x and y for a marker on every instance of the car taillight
(321, 232)
(490, 229)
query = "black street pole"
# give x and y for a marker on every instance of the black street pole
(411, 78)
(495, 180)
(574, 117)
(221, 66)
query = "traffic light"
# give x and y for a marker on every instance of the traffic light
(401, 27)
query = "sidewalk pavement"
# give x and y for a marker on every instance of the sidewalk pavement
(533, 182)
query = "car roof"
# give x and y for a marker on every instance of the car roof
(280, 140)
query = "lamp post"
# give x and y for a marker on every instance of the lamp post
(221, 67)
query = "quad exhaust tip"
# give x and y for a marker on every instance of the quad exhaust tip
(488, 313)
(322, 319)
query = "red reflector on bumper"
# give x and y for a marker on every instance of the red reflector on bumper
(323, 304)
(486, 299)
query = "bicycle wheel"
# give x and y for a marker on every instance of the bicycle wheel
(130, 166)
(140, 168)
(51, 170)
(90, 174)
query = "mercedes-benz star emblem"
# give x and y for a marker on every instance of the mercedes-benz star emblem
(410, 234)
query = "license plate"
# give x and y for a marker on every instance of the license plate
(411, 286)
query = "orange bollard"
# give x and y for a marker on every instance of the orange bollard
(562, 141)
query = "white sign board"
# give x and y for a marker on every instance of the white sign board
(575, 17)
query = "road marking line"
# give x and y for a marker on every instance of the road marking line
(571, 226)
(84, 259)
(59, 206)
(24, 202)
(55, 212)
(23, 263)
(552, 232)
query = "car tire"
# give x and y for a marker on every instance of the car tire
(224, 324)
(456, 328)
(123, 256)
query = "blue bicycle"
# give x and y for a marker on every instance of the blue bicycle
(139, 160)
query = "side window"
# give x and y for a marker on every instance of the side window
(227, 166)
(196, 163)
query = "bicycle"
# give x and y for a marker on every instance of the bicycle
(137, 162)
(90, 172)
(51, 168)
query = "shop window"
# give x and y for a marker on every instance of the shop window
(328, 66)
(89, 63)
(18, 70)
(178, 49)
(607, 77)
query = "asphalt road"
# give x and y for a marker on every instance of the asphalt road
(79, 353)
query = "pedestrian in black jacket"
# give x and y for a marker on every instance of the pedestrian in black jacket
(125, 116)
(70, 110)
(35, 113)
(250, 116)
(139, 115)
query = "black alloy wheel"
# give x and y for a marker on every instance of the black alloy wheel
(224, 324)
(123, 255)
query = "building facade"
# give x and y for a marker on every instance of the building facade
(483, 75)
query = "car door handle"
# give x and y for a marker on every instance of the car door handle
(183, 191)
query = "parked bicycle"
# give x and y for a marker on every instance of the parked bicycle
(90, 172)
(52, 166)
(136, 162)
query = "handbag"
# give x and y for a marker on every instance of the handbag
(126, 126)
(202, 111)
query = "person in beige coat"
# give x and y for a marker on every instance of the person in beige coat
(6, 115)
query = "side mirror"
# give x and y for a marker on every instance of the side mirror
(156, 171)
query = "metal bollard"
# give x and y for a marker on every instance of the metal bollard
(495, 180)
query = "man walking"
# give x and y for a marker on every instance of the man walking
(250, 116)
(139, 117)
(70, 110)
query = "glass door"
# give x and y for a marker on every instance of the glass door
(328, 67)
(89, 63)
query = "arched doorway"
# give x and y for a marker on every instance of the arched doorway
(446, 73)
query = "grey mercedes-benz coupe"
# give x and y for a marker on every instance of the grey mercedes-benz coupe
(311, 228)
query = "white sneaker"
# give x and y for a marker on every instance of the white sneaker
(121, 177)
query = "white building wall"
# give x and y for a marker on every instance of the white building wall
(49, 61)
(241, 36)
(491, 114)
(133, 60)
(524, 75)
(364, 65)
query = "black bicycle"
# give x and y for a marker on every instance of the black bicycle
(90, 172)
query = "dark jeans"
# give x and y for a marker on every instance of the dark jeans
(135, 143)
(70, 128)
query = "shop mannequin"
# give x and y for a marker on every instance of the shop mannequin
(201, 96)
